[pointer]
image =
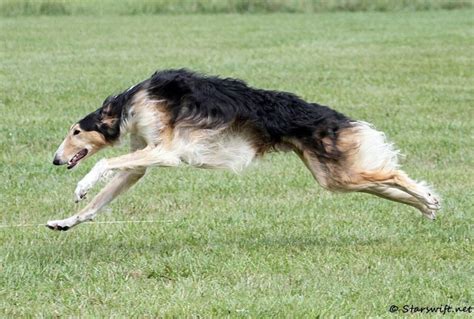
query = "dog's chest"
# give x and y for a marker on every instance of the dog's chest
(196, 147)
(228, 151)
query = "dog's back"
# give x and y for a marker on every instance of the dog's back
(275, 117)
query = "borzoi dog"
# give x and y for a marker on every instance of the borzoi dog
(180, 117)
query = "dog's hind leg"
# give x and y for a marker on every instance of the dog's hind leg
(394, 194)
(397, 182)
(367, 163)
(394, 185)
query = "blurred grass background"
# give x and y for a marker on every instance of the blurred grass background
(136, 7)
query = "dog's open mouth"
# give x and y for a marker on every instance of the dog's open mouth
(73, 161)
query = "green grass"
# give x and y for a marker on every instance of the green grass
(140, 7)
(270, 242)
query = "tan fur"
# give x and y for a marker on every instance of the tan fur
(378, 175)
(72, 144)
(148, 119)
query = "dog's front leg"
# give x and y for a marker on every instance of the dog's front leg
(119, 184)
(95, 175)
(137, 160)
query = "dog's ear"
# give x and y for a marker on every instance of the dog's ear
(109, 131)
(108, 114)
(106, 109)
(109, 117)
(109, 121)
(108, 100)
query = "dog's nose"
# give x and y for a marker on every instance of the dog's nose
(56, 161)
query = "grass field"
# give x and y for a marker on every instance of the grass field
(270, 242)
(11, 8)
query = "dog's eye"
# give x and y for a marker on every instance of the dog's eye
(76, 132)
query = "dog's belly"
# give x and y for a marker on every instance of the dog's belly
(230, 151)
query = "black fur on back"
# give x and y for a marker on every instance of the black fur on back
(212, 102)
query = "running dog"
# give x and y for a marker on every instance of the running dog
(179, 117)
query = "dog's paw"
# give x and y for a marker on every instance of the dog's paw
(428, 197)
(63, 224)
(432, 201)
(81, 191)
(428, 213)
(97, 172)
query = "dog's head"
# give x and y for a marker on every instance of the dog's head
(94, 132)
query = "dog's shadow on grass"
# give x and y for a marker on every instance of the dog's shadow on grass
(319, 242)
(115, 246)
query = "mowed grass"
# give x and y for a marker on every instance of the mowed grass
(269, 242)
(11, 8)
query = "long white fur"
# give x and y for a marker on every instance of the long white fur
(374, 151)
(224, 150)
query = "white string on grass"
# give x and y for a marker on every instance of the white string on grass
(90, 223)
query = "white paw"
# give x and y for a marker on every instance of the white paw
(90, 180)
(429, 198)
(62, 224)
(81, 190)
